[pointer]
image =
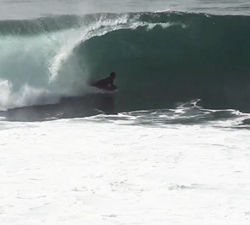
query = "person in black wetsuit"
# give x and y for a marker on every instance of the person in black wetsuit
(107, 83)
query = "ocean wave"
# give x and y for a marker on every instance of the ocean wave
(161, 58)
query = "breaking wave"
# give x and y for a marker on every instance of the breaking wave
(161, 59)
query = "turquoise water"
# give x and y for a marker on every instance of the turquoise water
(161, 58)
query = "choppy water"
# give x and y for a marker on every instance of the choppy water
(174, 148)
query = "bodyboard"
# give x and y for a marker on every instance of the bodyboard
(109, 89)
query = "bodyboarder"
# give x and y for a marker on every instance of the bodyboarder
(106, 83)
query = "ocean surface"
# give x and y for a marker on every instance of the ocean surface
(171, 146)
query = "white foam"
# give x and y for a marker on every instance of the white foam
(80, 172)
(26, 95)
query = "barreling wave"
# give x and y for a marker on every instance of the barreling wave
(160, 59)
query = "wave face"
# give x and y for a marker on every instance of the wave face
(161, 59)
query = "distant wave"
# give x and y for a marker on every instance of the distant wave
(161, 59)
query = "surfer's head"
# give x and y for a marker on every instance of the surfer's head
(112, 75)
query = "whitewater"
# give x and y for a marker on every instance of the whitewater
(171, 146)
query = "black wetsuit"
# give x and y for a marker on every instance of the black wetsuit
(104, 82)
